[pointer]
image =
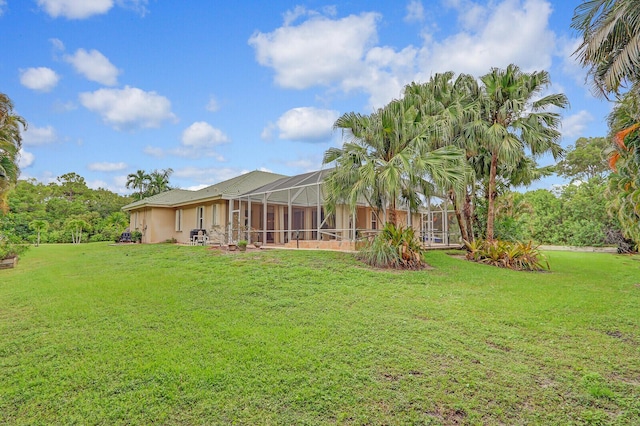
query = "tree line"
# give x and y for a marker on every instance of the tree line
(63, 211)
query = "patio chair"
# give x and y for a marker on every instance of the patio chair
(200, 238)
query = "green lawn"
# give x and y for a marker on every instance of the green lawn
(164, 334)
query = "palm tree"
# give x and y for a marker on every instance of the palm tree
(610, 47)
(447, 105)
(10, 144)
(511, 120)
(39, 225)
(158, 181)
(385, 159)
(76, 227)
(138, 180)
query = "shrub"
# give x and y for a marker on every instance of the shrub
(394, 247)
(9, 248)
(136, 236)
(512, 255)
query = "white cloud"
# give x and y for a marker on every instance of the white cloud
(574, 125)
(35, 136)
(342, 53)
(514, 31)
(415, 11)
(471, 16)
(319, 51)
(60, 106)
(207, 176)
(94, 66)
(212, 105)
(307, 124)
(267, 132)
(75, 9)
(203, 135)
(291, 16)
(129, 108)
(57, 44)
(198, 140)
(570, 64)
(3, 4)
(82, 9)
(42, 79)
(384, 74)
(139, 6)
(196, 187)
(305, 164)
(107, 167)
(26, 159)
(154, 151)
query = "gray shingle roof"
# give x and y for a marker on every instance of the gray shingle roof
(227, 189)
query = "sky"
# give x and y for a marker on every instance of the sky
(213, 89)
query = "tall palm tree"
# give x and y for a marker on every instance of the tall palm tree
(447, 105)
(386, 158)
(138, 180)
(10, 144)
(158, 181)
(511, 120)
(610, 47)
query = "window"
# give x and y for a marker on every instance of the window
(200, 217)
(374, 220)
(179, 220)
(214, 214)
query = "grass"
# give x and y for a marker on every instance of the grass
(164, 334)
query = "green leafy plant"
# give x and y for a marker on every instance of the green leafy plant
(136, 236)
(518, 256)
(394, 247)
(10, 249)
(242, 245)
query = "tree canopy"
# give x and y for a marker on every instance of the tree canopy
(40, 211)
(585, 160)
(11, 125)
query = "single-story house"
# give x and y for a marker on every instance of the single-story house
(275, 210)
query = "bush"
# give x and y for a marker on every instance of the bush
(136, 236)
(512, 255)
(9, 248)
(394, 247)
(509, 229)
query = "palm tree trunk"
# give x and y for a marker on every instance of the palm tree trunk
(468, 215)
(491, 214)
(393, 214)
(459, 218)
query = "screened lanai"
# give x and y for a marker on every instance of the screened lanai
(290, 212)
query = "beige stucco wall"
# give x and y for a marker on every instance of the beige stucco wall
(161, 226)
(158, 224)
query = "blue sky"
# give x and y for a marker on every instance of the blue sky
(213, 89)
